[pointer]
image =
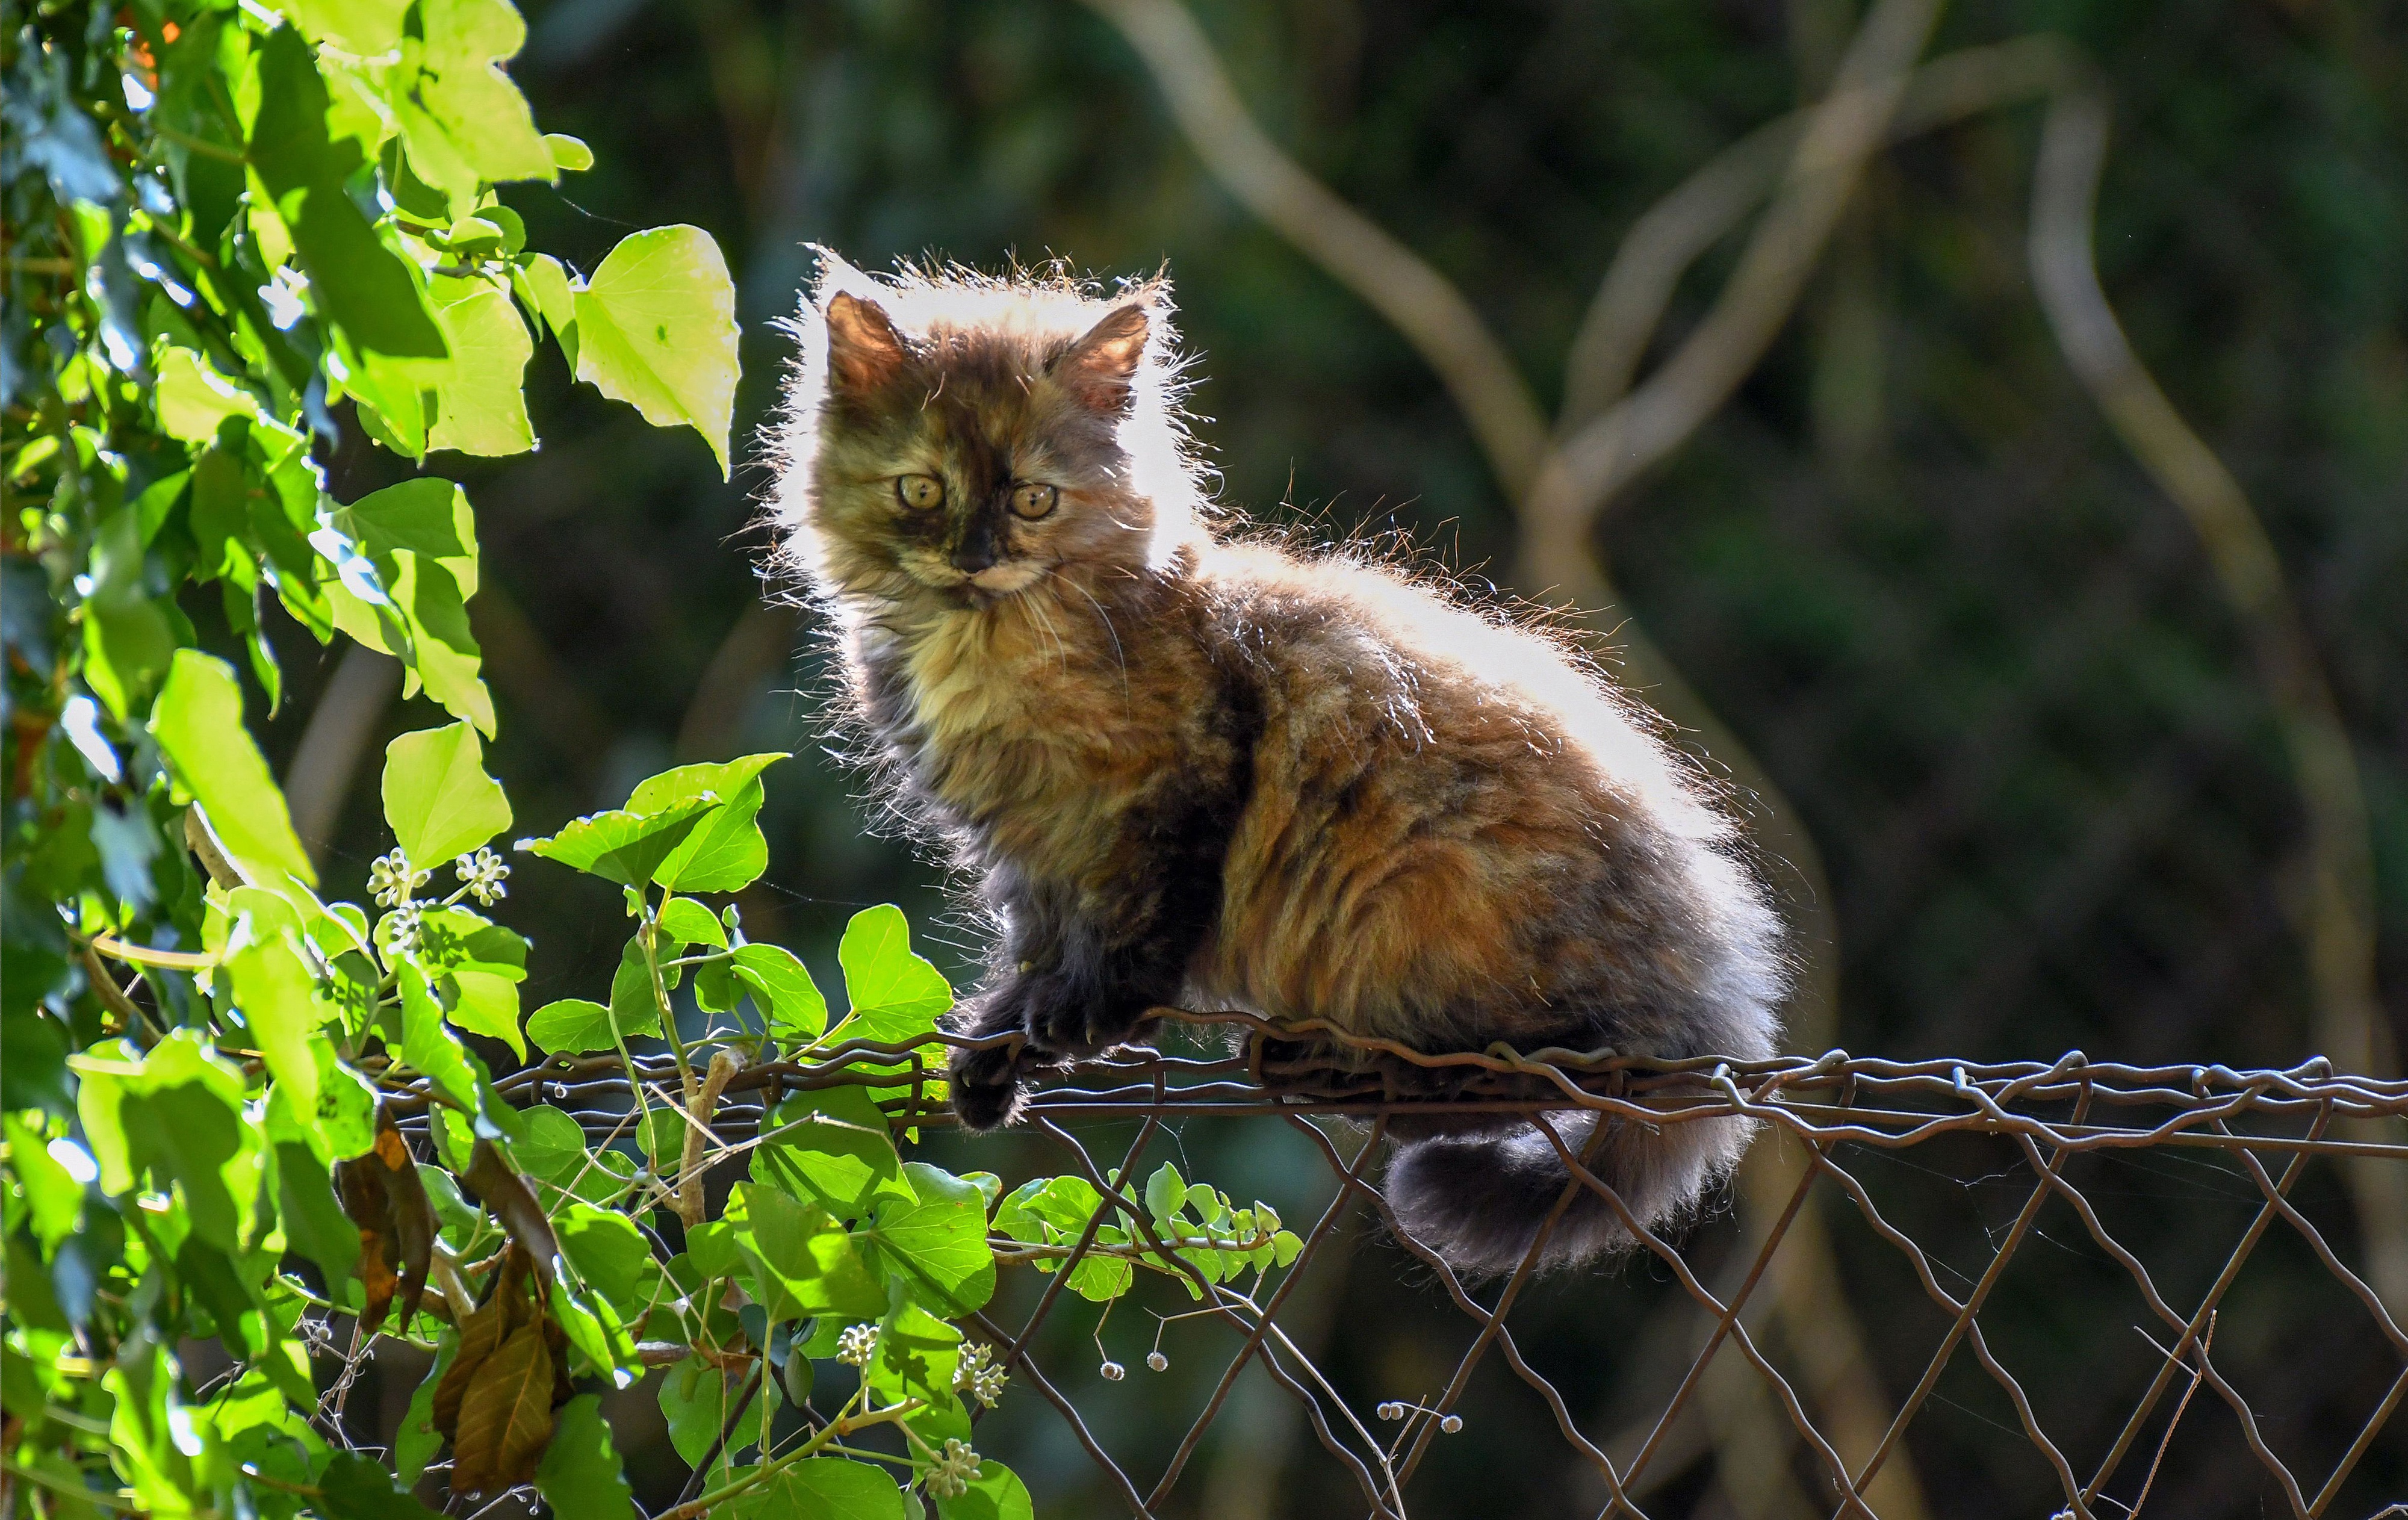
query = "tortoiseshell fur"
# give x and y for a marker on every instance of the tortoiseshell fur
(1190, 767)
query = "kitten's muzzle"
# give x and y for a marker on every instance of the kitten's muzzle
(977, 551)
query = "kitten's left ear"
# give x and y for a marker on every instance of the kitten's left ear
(1099, 366)
(864, 348)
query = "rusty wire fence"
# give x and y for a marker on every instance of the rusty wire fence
(2134, 1354)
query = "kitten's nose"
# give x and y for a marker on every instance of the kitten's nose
(976, 551)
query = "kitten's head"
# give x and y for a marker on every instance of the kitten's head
(953, 439)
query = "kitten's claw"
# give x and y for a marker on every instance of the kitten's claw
(985, 1086)
(1066, 1019)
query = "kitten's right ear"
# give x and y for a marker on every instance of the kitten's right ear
(864, 348)
(1099, 367)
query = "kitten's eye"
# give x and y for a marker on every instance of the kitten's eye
(920, 492)
(1032, 501)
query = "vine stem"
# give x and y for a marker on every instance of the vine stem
(648, 935)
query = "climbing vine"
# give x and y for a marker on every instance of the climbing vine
(244, 1106)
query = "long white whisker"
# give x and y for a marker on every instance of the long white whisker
(1037, 609)
(1128, 704)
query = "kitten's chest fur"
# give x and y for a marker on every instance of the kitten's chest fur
(1037, 725)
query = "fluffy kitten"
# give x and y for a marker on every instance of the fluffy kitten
(1192, 768)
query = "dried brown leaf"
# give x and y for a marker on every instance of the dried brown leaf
(359, 1185)
(506, 1417)
(414, 1222)
(481, 1334)
(506, 1196)
(383, 1196)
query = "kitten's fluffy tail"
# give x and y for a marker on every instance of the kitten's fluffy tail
(1479, 1200)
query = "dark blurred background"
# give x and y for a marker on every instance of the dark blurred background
(1980, 651)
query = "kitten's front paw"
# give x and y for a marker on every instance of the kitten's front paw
(1068, 1018)
(985, 1086)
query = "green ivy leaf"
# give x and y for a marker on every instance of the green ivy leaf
(193, 398)
(176, 1111)
(481, 409)
(936, 1240)
(438, 799)
(802, 1259)
(1166, 1192)
(573, 1026)
(820, 1488)
(725, 852)
(415, 1444)
(427, 516)
(687, 921)
(656, 328)
(543, 285)
(275, 990)
(1054, 1211)
(833, 1146)
(143, 1427)
(486, 1002)
(445, 655)
(996, 1494)
(568, 154)
(624, 846)
(696, 1400)
(199, 724)
(313, 1220)
(126, 639)
(553, 1147)
(784, 989)
(54, 1197)
(917, 1354)
(427, 1042)
(610, 1254)
(896, 996)
(360, 283)
(356, 1487)
(462, 118)
(364, 27)
(632, 1007)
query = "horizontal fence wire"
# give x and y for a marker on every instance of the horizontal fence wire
(2266, 1127)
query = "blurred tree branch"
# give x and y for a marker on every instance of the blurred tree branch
(2335, 916)
(318, 778)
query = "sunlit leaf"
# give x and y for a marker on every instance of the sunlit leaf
(570, 1025)
(361, 283)
(463, 118)
(481, 404)
(656, 328)
(782, 988)
(199, 724)
(996, 1494)
(624, 846)
(606, 1251)
(896, 996)
(438, 799)
(696, 1400)
(427, 1042)
(802, 1257)
(726, 852)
